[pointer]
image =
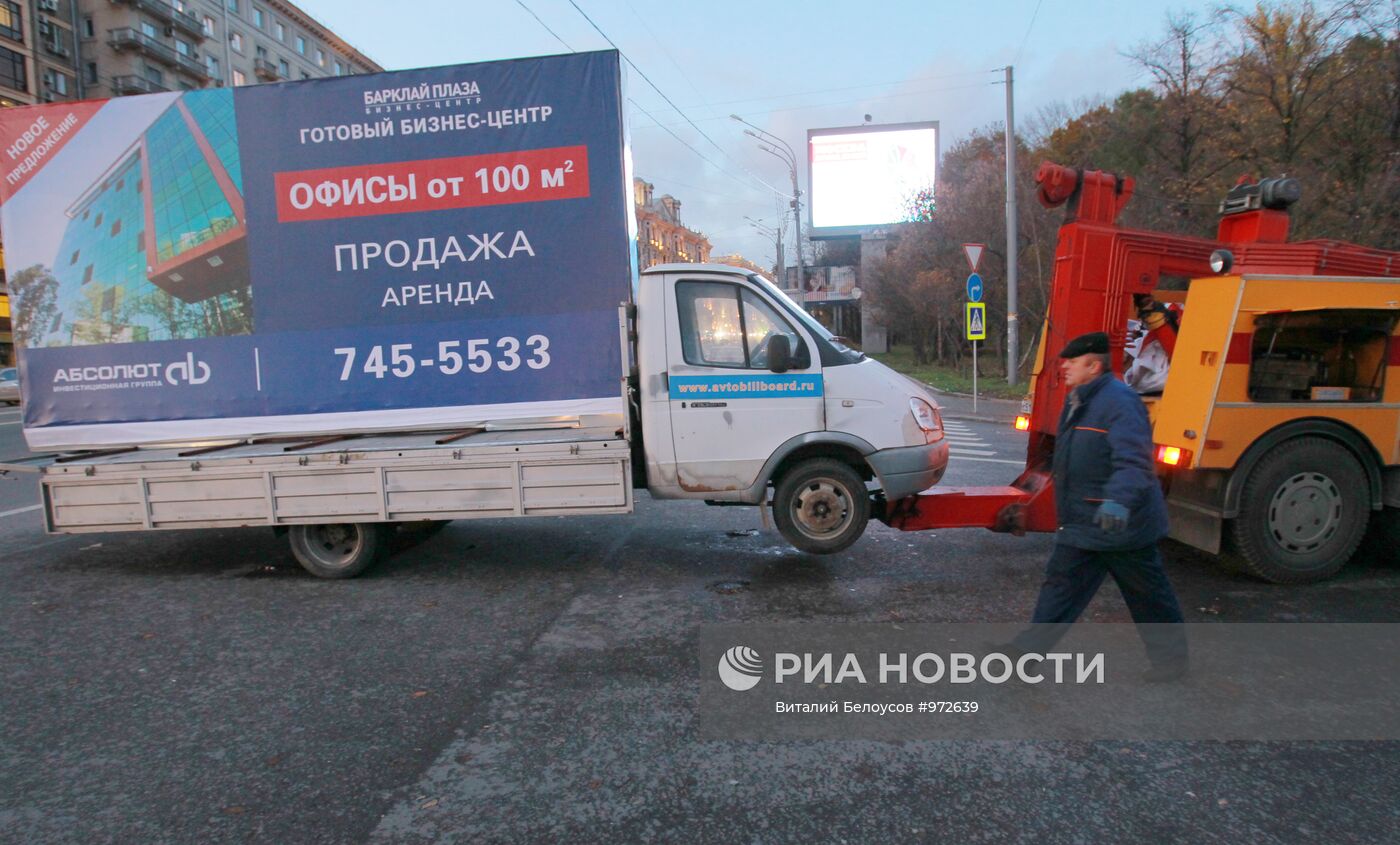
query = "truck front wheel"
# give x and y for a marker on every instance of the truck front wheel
(1303, 512)
(821, 506)
(338, 550)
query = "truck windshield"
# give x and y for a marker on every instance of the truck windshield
(801, 315)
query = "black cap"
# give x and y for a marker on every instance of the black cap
(1093, 343)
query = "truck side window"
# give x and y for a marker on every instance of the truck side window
(724, 325)
(1330, 355)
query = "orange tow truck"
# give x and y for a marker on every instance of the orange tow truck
(1278, 429)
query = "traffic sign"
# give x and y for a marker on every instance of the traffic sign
(974, 288)
(974, 254)
(976, 321)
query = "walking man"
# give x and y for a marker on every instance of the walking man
(1111, 514)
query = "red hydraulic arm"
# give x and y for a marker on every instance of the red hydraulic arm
(1099, 265)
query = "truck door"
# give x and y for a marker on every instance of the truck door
(729, 411)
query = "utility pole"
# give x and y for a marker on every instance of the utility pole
(1013, 340)
(775, 232)
(775, 146)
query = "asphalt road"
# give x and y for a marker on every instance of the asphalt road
(535, 681)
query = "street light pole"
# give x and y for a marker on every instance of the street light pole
(773, 145)
(775, 232)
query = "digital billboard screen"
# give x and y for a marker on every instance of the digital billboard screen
(865, 177)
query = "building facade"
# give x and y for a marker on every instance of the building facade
(661, 237)
(145, 46)
(38, 52)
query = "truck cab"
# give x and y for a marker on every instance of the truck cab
(740, 390)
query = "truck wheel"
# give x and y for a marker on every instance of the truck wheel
(339, 550)
(821, 506)
(1303, 512)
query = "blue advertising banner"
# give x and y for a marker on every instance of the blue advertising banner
(420, 248)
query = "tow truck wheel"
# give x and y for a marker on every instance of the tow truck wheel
(821, 506)
(337, 550)
(1303, 512)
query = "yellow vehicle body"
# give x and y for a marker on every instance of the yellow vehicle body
(1262, 364)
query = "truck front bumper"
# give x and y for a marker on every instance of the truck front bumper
(909, 469)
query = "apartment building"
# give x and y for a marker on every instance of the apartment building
(38, 56)
(145, 46)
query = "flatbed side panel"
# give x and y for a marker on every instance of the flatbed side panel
(434, 484)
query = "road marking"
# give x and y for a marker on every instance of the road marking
(956, 457)
(16, 511)
(16, 422)
(970, 452)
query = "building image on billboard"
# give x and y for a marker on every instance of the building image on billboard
(155, 248)
(866, 177)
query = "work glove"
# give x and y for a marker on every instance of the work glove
(1112, 517)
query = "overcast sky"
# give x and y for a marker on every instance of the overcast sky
(786, 67)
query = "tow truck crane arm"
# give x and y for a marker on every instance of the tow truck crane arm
(1098, 266)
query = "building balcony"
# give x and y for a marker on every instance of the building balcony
(127, 38)
(267, 70)
(166, 12)
(192, 65)
(122, 85)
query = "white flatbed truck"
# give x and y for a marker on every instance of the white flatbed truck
(734, 394)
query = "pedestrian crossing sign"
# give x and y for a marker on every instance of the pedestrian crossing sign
(976, 321)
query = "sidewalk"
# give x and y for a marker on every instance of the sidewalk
(958, 406)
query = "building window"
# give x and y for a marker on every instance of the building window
(258, 18)
(284, 69)
(87, 274)
(11, 21)
(212, 64)
(235, 40)
(233, 6)
(92, 72)
(12, 70)
(339, 69)
(320, 57)
(208, 25)
(154, 75)
(262, 52)
(301, 45)
(305, 75)
(116, 227)
(183, 47)
(88, 31)
(55, 38)
(141, 241)
(239, 78)
(279, 31)
(56, 82)
(74, 259)
(148, 29)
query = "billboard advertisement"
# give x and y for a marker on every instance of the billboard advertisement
(866, 177)
(422, 248)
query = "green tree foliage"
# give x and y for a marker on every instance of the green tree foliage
(1289, 87)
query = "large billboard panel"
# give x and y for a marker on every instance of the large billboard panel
(866, 177)
(422, 248)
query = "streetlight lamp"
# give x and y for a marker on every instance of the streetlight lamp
(775, 232)
(773, 145)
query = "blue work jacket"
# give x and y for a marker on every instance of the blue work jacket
(1103, 451)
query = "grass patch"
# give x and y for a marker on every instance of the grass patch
(991, 382)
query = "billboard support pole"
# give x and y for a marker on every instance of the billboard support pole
(1013, 340)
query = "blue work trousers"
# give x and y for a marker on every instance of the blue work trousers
(1074, 575)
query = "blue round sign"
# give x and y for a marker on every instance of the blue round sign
(974, 288)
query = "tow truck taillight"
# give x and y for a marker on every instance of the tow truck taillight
(1173, 456)
(1023, 422)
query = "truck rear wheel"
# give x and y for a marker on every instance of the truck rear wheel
(337, 550)
(1303, 512)
(821, 506)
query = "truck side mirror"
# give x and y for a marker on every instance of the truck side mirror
(779, 353)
